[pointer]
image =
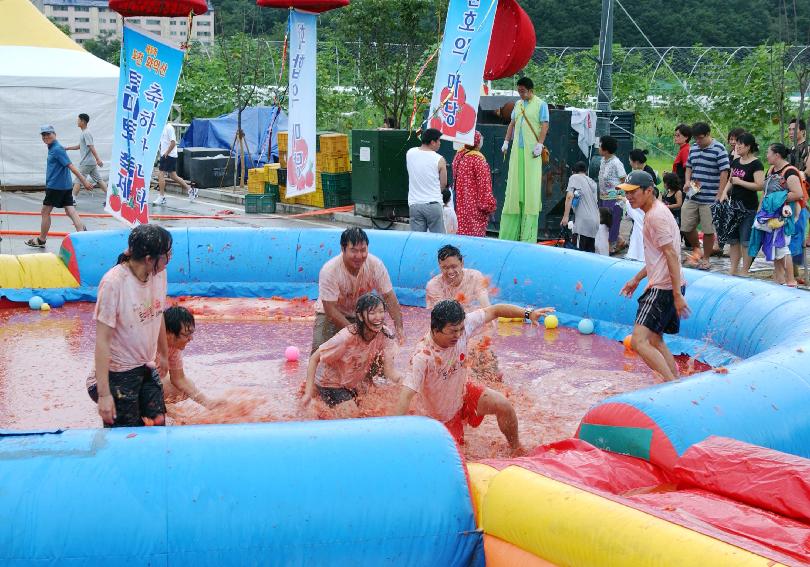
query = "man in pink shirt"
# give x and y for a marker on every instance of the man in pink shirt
(342, 281)
(662, 304)
(468, 287)
(438, 372)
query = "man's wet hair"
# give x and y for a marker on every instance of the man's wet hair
(449, 250)
(354, 236)
(447, 312)
(178, 319)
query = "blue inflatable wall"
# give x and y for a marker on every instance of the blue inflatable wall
(360, 492)
(759, 327)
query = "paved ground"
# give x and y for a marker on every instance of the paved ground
(94, 203)
(211, 202)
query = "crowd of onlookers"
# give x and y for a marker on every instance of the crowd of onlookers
(720, 196)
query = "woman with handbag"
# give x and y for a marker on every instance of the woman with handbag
(473, 186)
(522, 204)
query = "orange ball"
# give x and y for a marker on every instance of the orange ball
(628, 342)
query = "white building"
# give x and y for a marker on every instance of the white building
(89, 19)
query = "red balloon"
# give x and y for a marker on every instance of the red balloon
(316, 6)
(513, 41)
(163, 8)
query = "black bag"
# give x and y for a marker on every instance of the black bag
(567, 239)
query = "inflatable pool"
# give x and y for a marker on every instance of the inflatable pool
(758, 330)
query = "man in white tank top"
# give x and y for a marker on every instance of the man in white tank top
(427, 177)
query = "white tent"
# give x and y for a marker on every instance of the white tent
(46, 78)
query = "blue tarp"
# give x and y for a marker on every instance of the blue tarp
(256, 122)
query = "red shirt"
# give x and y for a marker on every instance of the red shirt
(681, 158)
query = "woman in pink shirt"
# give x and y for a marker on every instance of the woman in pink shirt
(130, 332)
(341, 365)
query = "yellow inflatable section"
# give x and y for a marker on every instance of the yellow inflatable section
(39, 271)
(564, 525)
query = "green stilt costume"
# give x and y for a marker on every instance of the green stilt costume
(523, 203)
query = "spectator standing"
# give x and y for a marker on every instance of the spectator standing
(638, 162)
(673, 195)
(746, 179)
(427, 177)
(706, 172)
(448, 213)
(682, 138)
(472, 181)
(799, 152)
(732, 137)
(581, 197)
(611, 173)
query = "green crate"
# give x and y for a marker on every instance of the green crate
(253, 204)
(272, 190)
(336, 182)
(332, 198)
(267, 205)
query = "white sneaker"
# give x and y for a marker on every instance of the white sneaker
(159, 201)
(192, 194)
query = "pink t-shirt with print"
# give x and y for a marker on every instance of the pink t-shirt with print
(439, 375)
(335, 283)
(346, 358)
(660, 229)
(467, 292)
(134, 310)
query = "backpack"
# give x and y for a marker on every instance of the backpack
(804, 183)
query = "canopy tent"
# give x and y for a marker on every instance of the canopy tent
(47, 78)
(220, 132)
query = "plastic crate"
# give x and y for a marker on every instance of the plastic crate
(271, 172)
(282, 142)
(256, 186)
(333, 144)
(253, 204)
(267, 204)
(336, 198)
(282, 176)
(336, 182)
(272, 190)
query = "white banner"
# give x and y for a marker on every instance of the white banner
(301, 141)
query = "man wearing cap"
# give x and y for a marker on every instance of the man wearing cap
(58, 186)
(662, 304)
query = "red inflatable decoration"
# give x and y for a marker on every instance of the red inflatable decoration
(513, 41)
(316, 6)
(164, 8)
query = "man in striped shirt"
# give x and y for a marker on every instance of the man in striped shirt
(707, 170)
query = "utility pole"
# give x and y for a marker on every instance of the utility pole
(604, 77)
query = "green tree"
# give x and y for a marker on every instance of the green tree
(64, 28)
(106, 47)
(394, 39)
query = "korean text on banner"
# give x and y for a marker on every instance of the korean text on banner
(460, 73)
(301, 142)
(150, 69)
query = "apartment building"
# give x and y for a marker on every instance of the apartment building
(89, 19)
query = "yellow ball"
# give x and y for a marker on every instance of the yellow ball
(45, 307)
(551, 322)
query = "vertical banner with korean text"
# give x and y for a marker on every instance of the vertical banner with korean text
(301, 116)
(460, 72)
(150, 69)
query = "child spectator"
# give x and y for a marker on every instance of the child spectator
(449, 215)
(581, 197)
(673, 198)
(602, 244)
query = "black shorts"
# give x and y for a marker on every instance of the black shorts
(59, 198)
(137, 393)
(656, 311)
(167, 164)
(335, 396)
